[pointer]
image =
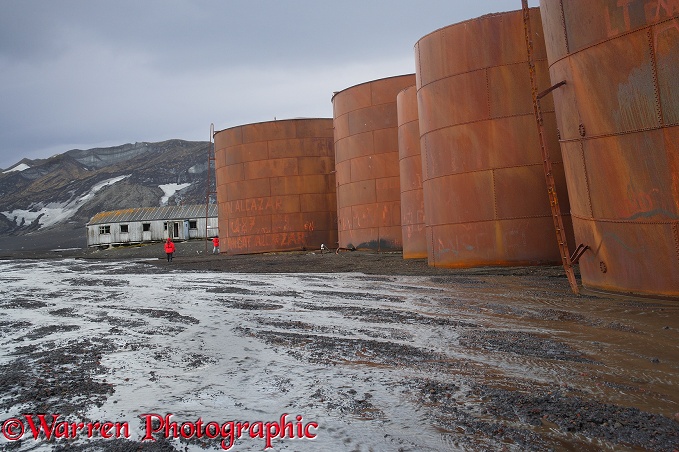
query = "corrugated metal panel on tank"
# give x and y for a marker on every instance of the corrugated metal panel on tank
(410, 163)
(618, 117)
(484, 186)
(276, 186)
(367, 164)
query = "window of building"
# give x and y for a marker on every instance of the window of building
(165, 225)
(146, 227)
(106, 229)
(124, 228)
(193, 224)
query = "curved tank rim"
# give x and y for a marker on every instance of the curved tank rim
(407, 88)
(271, 121)
(368, 82)
(473, 19)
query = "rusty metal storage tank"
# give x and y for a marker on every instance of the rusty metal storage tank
(276, 186)
(366, 161)
(410, 164)
(485, 192)
(618, 117)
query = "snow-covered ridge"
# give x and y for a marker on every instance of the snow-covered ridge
(55, 212)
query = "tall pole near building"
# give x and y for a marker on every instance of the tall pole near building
(208, 191)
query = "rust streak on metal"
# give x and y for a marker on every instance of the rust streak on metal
(547, 161)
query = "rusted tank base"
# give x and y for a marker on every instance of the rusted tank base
(280, 242)
(522, 242)
(618, 261)
(584, 290)
(389, 239)
(381, 245)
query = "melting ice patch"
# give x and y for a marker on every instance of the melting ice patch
(55, 212)
(169, 190)
(182, 343)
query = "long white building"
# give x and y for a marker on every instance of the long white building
(152, 224)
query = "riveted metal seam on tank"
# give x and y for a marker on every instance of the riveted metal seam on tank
(563, 23)
(517, 217)
(488, 169)
(609, 135)
(654, 73)
(623, 221)
(513, 116)
(484, 69)
(612, 38)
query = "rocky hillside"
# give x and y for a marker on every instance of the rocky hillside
(43, 200)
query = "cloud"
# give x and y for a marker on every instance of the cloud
(87, 72)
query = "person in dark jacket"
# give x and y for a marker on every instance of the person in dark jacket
(169, 249)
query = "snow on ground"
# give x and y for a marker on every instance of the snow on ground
(56, 212)
(19, 167)
(170, 190)
(202, 365)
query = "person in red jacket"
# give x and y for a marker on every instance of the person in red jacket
(215, 245)
(169, 249)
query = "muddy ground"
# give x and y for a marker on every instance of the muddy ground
(385, 354)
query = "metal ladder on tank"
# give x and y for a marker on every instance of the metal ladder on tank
(546, 159)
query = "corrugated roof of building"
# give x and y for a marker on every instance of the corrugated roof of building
(154, 213)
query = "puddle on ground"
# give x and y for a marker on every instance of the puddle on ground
(459, 362)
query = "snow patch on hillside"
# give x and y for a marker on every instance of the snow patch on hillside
(56, 212)
(19, 167)
(170, 190)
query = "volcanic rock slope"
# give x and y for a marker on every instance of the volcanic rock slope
(56, 197)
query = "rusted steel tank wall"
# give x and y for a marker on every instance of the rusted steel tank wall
(485, 193)
(410, 163)
(366, 161)
(618, 117)
(276, 186)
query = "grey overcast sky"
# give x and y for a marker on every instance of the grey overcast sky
(93, 73)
